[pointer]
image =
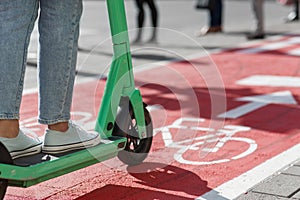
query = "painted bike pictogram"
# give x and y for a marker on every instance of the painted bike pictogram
(212, 142)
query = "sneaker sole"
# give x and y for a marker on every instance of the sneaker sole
(27, 152)
(58, 149)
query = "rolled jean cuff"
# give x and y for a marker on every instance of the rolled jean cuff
(9, 116)
(53, 121)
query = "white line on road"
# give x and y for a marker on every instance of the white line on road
(259, 101)
(294, 52)
(239, 185)
(272, 46)
(270, 81)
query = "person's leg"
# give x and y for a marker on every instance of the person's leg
(17, 19)
(257, 6)
(141, 13)
(154, 19)
(140, 19)
(296, 10)
(215, 19)
(154, 13)
(219, 13)
(216, 14)
(16, 23)
(211, 17)
(59, 32)
(259, 18)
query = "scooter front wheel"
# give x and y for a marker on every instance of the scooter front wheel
(136, 149)
(5, 159)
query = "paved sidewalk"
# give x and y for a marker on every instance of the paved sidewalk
(283, 185)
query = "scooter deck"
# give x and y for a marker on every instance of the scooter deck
(28, 171)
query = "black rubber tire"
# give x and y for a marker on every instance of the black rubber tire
(3, 187)
(136, 150)
(5, 159)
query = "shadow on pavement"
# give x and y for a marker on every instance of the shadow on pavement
(176, 183)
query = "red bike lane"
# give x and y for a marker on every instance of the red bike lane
(196, 147)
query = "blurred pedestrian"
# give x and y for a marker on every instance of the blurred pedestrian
(259, 33)
(141, 19)
(294, 15)
(215, 19)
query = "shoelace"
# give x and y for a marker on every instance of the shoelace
(30, 133)
(76, 126)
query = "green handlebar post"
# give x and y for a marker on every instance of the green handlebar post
(117, 20)
(120, 81)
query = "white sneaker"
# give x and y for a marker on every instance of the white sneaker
(25, 144)
(56, 142)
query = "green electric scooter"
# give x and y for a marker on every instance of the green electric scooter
(123, 122)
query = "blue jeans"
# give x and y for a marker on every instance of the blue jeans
(58, 26)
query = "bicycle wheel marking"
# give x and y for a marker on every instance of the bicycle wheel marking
(219, 139)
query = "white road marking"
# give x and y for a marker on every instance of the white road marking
(294, 52)
(270, 81)
(239, 185)
(259, 101)
(272, 46)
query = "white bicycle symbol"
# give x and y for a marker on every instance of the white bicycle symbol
(218, 138)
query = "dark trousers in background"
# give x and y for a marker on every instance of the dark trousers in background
(216, 14)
